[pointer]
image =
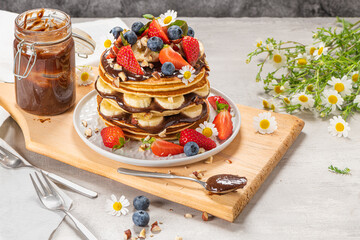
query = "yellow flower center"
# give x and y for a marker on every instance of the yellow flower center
(264, 124)
(303, 98)
(84, 76)
(265, 104)
(207, 132)
(286, 100)
(355, 77)
(107, 43)
(278, 89)
(332, 99)
(320, 51)
(312, 50)
(302, 61)
(187, 74)
(339, 87)
(258, 44)
(339, 127)
(277, 58)
(310, 87)
(168, 19)
(272, 107)
(117, 206)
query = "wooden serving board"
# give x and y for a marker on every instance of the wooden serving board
(253, 155)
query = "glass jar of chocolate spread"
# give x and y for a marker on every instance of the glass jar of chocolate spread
(44, 62)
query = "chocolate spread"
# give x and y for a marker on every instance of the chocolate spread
(225, 183)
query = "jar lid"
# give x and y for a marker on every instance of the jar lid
(84, 44)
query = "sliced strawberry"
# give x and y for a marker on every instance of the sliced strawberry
(110, 55)
(167, 54)
(113, 137)
(191, 135)
(191, 49)
(127, 60)
(115, 49)
(163, 148)
(155, 30)
(223, 124)
(176, 41)
(219, 103)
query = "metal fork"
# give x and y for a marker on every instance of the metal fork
(52, 200)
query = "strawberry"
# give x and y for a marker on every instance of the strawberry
(113, 52)
(219, 103)
(191, 49)
(126, 58)
(163, 148)
(223, 124)
(113, 137)
(155, 30)
(144, 33)
(191, 135)
(167, 54)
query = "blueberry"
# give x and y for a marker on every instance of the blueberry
(131, 37)
(116, 32)
(174, 32)
(140, 218)
(168, 68)
(191, 149)
(191, 32)
(136, 27)
(155, 44)
(141, 203)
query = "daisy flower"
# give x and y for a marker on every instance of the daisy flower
(332, 99)
(357, 100)
(305, 100)
(207, 129)
(278, 59)
(258, 43)
(117, 207)
(310, 50)
(167, 18)
(107, 40)
(322, 50)
(338, 127)
(85, 75)
(270, 104)
(187, 74)
(265, 123)
(286, 100)
(355, 76)
(342, 86)
(302, 59)
(276, 88)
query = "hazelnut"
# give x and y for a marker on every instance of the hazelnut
(116, 82)
(144, 63)
(88, 132)
(117, 67)
(209, 160)
(142, 234)
(188, 215)
(127, 234)
(201, 150)
(228, 161)
(155, 227)
(84, 123)
(96, 130)
(163, 133)
(205, 216)
(156, 75)
(151, 65)
(122, 76)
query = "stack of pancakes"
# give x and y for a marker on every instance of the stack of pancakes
(151, 104)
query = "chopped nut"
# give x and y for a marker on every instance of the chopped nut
(178, 238)
(163, 133)
(127, 234)
(201, 150)
(116, 82)
(117, 67)
(88, 132)
(147, 52)
(110, 60)
(188, 215)
(151, 65)
(142, 148)
(197, 174)
(228, 161)
(192, 175)
(144, 63)
(144, 41)
(155, 227)
(142, 234)
(147, 138)
(138, 44)
(209, 160)
(160, 222)
(84, 123)
(96, 130)
(156, 75)
(122, 76)
(205, 216)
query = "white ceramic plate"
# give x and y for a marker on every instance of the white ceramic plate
(86, 110)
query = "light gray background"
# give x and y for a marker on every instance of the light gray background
(193, 8)
(300, 199)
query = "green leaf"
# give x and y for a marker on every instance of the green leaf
(148, 16)
(143, 29)
(149, 141)
(182, 24)
(345, 171)
(120, 145)
(221, 106)
(123, 40)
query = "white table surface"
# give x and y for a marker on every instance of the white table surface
(300, 199)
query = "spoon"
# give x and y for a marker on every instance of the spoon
(219, 184)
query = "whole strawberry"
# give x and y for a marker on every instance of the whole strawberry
(191, 135)
(113, 137)
(191, 49)
(126, 58)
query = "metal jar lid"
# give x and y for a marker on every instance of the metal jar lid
(84, 44)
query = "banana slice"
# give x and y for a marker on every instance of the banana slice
(150, 122)
(103, 87)
(201, 48)
(203, 92)
(171, 102)
(109, 110)
(194, 111)
(137, 101)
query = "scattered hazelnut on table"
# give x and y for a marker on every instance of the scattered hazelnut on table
(188, 215)
(205, 216)
(142, 234)
(127, 234)
(155, 227)
(228, 161)
(209, 160)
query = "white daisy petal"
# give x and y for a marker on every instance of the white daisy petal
(113, 197)
(122, 198)
(264, 123)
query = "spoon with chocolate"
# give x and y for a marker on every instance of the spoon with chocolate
(218, 184)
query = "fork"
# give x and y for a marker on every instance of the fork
(52, 200)
(10, 160)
